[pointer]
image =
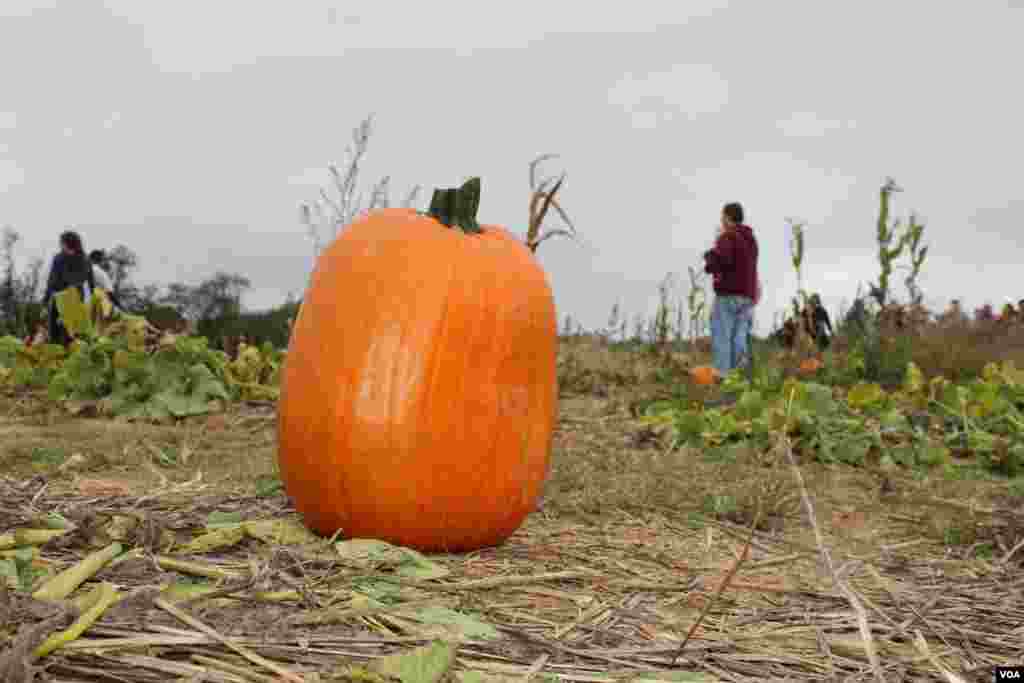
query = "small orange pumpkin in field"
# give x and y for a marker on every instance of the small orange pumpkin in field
(419, 392)
(809, 366)
(704, 375)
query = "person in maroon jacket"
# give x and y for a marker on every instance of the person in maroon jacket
(732, 263)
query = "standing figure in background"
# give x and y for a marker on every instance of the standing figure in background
(857, 316)
(100, 270)
(985, 314)
(69, 268)
(732, 262)
(822, 323)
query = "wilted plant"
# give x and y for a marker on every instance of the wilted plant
(887, 235)
(542, 198)
(639, 326)
(796, 250)
(567, 326)
(662, 327)
(615, 320)
(696, 299)
(338, 205)
(680, 316)
(892, 243)
(917, 254)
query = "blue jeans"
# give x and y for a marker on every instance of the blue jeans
(731, 320)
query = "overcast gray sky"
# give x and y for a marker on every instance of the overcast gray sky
(190, 131)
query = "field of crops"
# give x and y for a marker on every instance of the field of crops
(122, 367)
(281, 402)
(673, 541)
(925, 423)
(853, 518)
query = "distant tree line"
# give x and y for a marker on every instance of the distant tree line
(211, 308)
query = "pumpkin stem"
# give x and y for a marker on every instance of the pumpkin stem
(458, 206)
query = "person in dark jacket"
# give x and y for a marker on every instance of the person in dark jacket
(822, 323)
(732, 262)
(857, 317)
(69, 268)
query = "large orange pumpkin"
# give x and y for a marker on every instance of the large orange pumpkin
(419, 391)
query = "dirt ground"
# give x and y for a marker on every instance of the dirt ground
(653, 532)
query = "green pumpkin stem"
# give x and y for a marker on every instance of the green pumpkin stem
(458, 206)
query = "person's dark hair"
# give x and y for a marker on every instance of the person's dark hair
(734, 211)
(97, 256)
(73, 241)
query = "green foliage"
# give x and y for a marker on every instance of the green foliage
(875, 356)
(256, 372)
(268, 485)
(886, 235)
(917, 254)
(19, 571)
(43, 455)
(893, 242)
(865, 396)
(114, 365)
(73, 312)
(918, 424)
(696, 300)
(260, 327)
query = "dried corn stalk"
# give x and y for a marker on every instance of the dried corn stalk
(542, 198)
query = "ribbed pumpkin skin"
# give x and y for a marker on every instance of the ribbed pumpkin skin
(419, 391)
